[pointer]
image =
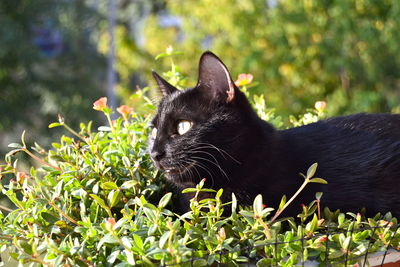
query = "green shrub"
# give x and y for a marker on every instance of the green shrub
(95, 199)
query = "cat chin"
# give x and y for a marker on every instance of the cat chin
(173, 174)
(177, 176)
(178, 171)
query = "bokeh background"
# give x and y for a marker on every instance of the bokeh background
(58, 57)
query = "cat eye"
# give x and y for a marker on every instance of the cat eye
(184, 126)
(154, 133)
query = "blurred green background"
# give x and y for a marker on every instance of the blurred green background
(55, 55)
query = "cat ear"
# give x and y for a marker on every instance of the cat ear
(215, 78)
(165, 87)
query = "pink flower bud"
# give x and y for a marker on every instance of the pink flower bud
(100, 104)
(20, 177)
(221, 234)
(244, 79)
(124, 110)
(110, 222)
(320, 105)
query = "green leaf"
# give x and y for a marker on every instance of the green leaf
(176, 225)
(258, 205)
(56, 145)
(265, 262)
(199, 263)
(246, 213)
(346, 243)
(126, 161)
(152, 229)
(312, 226)
(219, 193)
(207, 190)
(335, 254)
(137, 244)
(13, 152)
(130, 258)
(108, 239)
(234, 203)
(161, 55)
(59, 260)
(318, 180)
(311, 171)
(201, 184)
(150, 213)
(318, 195)
(113, 197)
(266, 211)
(127, 243)
(98, 200)
(129, 184)
(95, 188)
(164, 239)
(15, 145)
(104, 129)
(109, 185)
(50, 218)
(23, 138)
(112, 257)
(341, 218)
(14, 255)
(101, 202)
(26, 247)
(283, 202)
(165, 200)
(189, 190)
(54, 124)
(119, 223)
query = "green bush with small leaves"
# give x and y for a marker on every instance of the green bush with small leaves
(95, 199)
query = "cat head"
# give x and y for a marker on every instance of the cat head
(197, 132)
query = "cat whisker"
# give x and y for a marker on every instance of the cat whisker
(182, 168)
(193, 166)
(198, 164)
(216, 163)
(204, 146)
(212, 162)
(186, 170)
(220, 150)
(193, 151)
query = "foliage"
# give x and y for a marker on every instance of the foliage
(45, 50)
(95, 199)
(345, 52)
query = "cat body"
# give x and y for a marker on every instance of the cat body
(211, 131)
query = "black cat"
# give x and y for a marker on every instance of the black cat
(210, 131)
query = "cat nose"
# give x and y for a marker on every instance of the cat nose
(157, 155)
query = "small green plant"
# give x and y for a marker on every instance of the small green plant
(95, 199)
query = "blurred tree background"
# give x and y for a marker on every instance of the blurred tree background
(346, 52)
(53, 53)
(49, 64)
